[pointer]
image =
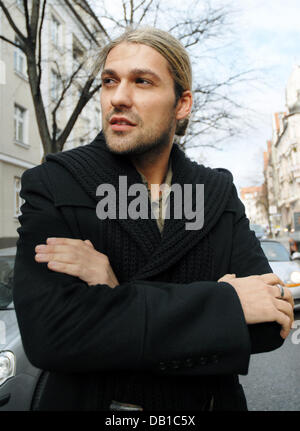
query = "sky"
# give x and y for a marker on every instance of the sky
(264, 36)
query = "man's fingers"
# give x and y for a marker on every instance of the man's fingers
(287, 296)
(271, 278)
(285, 316)
(63, 241)
(286, 308)
(285, 323)
(57, 257)
(58, 248)
(70, 248)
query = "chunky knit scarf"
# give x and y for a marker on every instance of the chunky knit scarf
(135, 247)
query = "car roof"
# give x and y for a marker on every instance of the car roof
(10, 251)
(270, 240)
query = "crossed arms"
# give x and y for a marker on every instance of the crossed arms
(71, 318)
(260, 296)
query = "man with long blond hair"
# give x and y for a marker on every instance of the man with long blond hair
(130, 306)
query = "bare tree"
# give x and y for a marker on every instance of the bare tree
(214, 111)
(216, 114)
(30, 42)
(263, 200)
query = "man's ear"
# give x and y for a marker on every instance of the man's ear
(184, 105)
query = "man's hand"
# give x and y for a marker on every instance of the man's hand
(78, 258)
(261, 299)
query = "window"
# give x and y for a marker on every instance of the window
(55, 89)
(20, 124)
(18, 200)
(19, 59)
(20, 5)
(77, 57)
(56, 32)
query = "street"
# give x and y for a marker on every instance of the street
(273, 381)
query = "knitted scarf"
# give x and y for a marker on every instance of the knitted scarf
(178, 254)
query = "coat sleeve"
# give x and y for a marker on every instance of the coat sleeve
(68, 326)
(247, 259)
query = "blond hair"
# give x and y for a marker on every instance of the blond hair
(171, 49)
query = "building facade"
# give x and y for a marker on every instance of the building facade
(254, 201)
(280, 192)
(286, 154)
(68, 36)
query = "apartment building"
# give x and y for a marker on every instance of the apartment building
(286, 153)
(280, 192)
(68, 34)
(254, 201)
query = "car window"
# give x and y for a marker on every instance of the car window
(6, 280)
(275, 252)
(257, 228)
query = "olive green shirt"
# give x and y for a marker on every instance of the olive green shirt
(159, 205)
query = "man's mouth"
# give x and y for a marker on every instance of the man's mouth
(121, 124)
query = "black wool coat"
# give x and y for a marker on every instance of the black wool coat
(169, 336)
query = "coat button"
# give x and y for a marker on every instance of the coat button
(202, 360)
(162, 366)
(214, 359)
(175, 364)
(189, 362)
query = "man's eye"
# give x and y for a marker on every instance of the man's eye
(107, 81)
(143, 81)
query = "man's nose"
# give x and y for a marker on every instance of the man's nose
(122, 95)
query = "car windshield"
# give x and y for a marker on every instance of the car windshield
(257, 228)
(275, 252)
(6, 280)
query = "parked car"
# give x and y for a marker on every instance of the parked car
(286, 267)
(259, 231)
(20, 382)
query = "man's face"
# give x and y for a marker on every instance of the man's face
(137, 100)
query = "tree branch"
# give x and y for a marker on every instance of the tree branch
(145, 10)
(35, 12)
(66, 86)
(86, 95)
(115, 21)
(27, 20)
(124, 12)
(12, 43)
(78, 17)
(131, 11)
(40, 43)
(11, 22)
(85, 6)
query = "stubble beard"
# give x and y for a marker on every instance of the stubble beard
(148, 143)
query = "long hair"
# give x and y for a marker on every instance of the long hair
(171, 49)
